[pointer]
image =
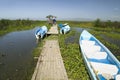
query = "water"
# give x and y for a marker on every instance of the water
(78, 30)
(16, 59)
(110, 40)
(75, 38)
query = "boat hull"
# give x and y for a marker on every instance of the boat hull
(41, 32)
(95, 53)
(64, 28)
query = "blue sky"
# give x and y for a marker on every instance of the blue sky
(37, 9)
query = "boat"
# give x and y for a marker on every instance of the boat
(64, 28)
(99, 60)
(41, 32)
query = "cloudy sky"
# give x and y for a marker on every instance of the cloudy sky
(37, 9)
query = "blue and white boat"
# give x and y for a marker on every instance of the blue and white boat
(64, 28)
(100, 62)
(41, 32)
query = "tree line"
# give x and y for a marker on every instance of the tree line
(108, 24)
(6, 23)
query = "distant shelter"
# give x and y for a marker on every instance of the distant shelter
(50, 19)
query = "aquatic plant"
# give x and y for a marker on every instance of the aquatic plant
(72, 58)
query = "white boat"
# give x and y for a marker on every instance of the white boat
(41, 32)
(64, 28)
(100, 62)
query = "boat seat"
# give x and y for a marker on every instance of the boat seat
(87, 42)
(97, 55)
(102, 68)
(90, 49)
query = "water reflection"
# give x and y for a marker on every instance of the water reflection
(18, 60)
(110, 40)
(75, 38)
(79, 30)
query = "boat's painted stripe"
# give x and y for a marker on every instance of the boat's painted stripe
(90, 46)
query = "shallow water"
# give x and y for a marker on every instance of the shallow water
(75, 39)
(114, 41)
(16, 57)
(79, 30)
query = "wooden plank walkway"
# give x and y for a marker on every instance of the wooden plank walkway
(50, 64)
(53, 30)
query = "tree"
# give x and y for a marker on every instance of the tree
(4, 23)
(116, 24)
(97, 23)
(109, 23)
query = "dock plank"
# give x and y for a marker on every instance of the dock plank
(53, 30)
(50, 63)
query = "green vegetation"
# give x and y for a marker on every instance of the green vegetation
(72, 58)
(108, 24)
(113, 35)
(7, 25)
(38, 49)
(36, 52)
(77, 23)
(17, 25)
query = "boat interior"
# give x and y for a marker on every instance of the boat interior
(100, 59)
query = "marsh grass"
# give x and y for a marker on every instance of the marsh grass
(77, 23)
(113, 35)
(72, 58)
(112, 47)
(70, 52)
(37, 51)
(52, 37)
(14, 27)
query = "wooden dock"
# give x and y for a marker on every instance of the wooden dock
(53, 30)
(50, 64)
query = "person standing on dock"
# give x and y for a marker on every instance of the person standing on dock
(50, 19)
(54, 20)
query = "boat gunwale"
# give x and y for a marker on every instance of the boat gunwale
(91, 71)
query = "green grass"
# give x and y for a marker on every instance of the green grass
(113, 35)
(77, 23)
(72, 58)
(70, 52)
(11, 28)
(116, 30)
(36, 52)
